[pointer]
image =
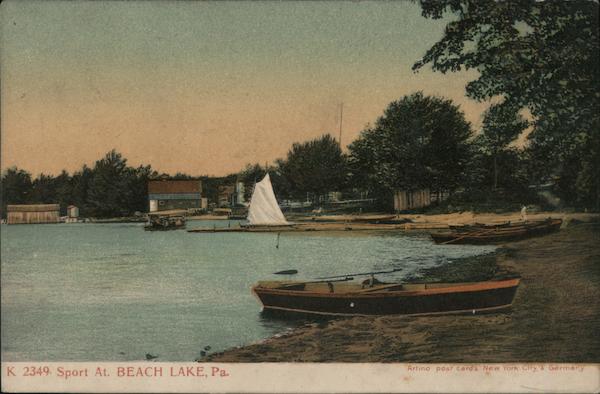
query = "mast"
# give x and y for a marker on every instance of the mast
(341, 122)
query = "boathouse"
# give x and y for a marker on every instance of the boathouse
(167, 194)
(32, 213)
(72, 214)
(405, 200)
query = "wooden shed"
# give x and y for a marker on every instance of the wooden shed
(72, 211)
(404, 200)
(168, 194)
(33, 213)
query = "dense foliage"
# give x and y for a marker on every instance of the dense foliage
(17, 187)
(542, 56)
(314, 168)
(110, 188)
(419, 142)
(502, 124)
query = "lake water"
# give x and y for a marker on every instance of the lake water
(111, 292)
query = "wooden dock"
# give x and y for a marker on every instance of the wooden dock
(303, 227)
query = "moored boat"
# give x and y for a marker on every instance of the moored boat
(482, 226)
(363, 219)
(499, 234)
(354, 299)
(166, 220)
(264, 211)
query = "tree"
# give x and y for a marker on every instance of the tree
(251, 174)
(137, 183)
(48, 189)
(544, 56)
(419, 142)
(16, 187)
(43, 190)
(63, 186)
(315, 167)
(362, 161)
(502, 124)
(108, 191)
(588, 179)
(81, 182)
(497, 180)
(180, 176)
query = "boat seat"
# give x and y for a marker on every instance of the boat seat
(389, 287)
(414, 286)
(293, 286)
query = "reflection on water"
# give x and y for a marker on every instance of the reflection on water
(274, 318)
(115, 292)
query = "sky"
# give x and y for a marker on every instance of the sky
(204, 87)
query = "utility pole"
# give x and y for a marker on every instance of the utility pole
(341, 121)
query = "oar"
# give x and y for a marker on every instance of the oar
(286, 272)
(326, 281)
(476, 234)
(378, 288)
(315, 281)
(361, 274)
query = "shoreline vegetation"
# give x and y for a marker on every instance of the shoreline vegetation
(557, 300)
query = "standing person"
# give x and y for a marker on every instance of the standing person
(524, 213)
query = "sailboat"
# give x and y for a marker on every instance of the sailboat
(264, 210)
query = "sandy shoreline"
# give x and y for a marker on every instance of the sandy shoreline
(554, 318)
(467, 217)
(382, 222)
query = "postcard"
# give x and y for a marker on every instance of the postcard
(286, 197)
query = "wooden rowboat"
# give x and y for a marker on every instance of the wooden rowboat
(499, 234)
(353, 299)
(166, 220)
(482, 226)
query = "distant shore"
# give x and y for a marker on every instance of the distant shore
(133, 219)
(385, 221)
(368, 222)
(554, 317)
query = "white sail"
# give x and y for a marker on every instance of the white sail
(264, 209)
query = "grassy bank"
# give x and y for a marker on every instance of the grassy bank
(468, 269)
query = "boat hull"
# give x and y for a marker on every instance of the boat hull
(163, 228)
(497, 235)
(475, 297)
(466, 228)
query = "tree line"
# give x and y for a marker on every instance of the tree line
(109, 188)
(538, 63)
(420, 142)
